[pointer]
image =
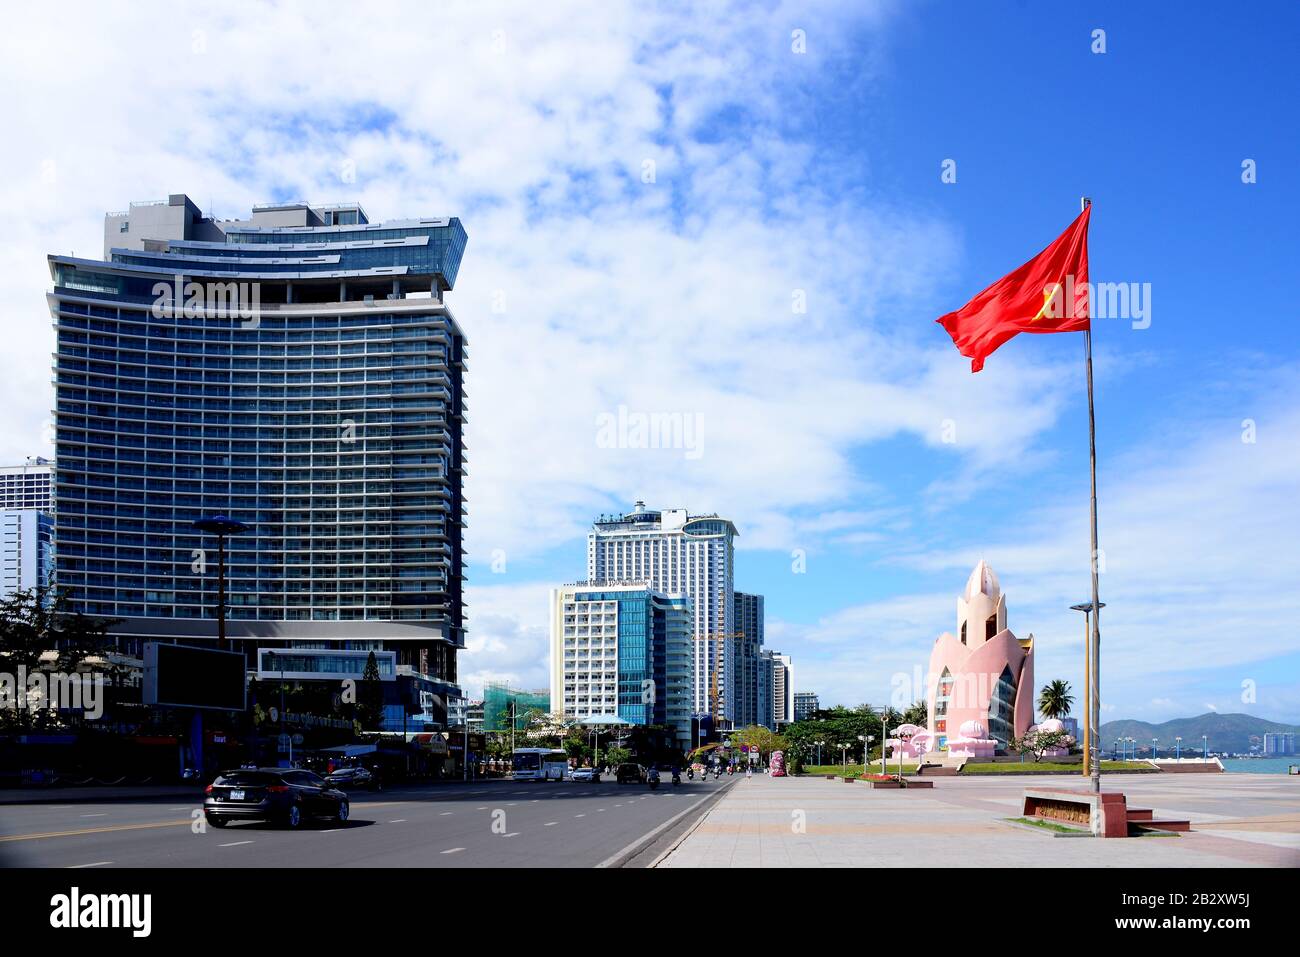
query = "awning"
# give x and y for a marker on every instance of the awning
(603, 721)
(430, 741)
(352, 750)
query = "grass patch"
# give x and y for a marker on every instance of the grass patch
(854, 770)
(1046, 825)
(1029, 767)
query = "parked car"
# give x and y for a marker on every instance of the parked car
(585, 774)
(285, 796)
(630, 774)
(354, 777)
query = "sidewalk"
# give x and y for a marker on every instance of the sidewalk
(813, 822)
(91, 794)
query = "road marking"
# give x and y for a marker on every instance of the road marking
(90, 830)
(550, 824)
(579, 815)
(183, 807)
(456, 850)
(511, 834)
(234, 844)
(400, 820)
(104, 814)
(599, 809)
(444, 813)
(77, 867)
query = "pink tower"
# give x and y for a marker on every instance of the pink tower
(981, 689)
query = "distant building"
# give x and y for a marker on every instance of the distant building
(679, 554)
(775, 689)
(749, 644)
(625, 649)
(26, 549)
(1279, 742)
(503, 705)
(806, 705)
(28, 486)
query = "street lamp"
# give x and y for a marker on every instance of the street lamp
(1088, 730)
(819, 751)
(1178, 748)
(221, 526)
(1205, 747)
(844, 756)
(1155, 751)
(866, 740)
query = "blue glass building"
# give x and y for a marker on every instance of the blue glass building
(297, 371)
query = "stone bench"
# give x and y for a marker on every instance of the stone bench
(1105, 814)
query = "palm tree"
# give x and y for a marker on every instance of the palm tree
(1055, 700)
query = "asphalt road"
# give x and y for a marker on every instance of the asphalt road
(491, 823)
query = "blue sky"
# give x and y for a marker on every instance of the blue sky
(590, 283)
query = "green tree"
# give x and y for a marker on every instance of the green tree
(370, 695)
(39, 633)
(916, 713)
(1055, 700)
(1038, 743)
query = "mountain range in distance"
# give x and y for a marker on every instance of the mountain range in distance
(1230, 733)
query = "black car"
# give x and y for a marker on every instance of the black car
(354, 777)
(630, 774)
(285, 796)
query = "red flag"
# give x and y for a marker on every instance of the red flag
(1047, 294)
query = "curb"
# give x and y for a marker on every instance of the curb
(703, 806)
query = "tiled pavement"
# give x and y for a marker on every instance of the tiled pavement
(1238, 820)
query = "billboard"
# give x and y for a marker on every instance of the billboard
(183, 676)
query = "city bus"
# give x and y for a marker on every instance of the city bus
(539, 764)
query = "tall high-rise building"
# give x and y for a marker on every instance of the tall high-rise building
(622, 648)
(297, 371)
(26, 549)
(749, 644)
(775, 689)
(679, 554)
(30, 485)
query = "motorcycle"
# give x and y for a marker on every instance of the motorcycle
(690, 774)
(654, 780)
(677, 778)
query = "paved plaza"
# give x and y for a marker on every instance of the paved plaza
(1238, 820)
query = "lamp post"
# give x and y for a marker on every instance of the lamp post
(1088, 729)
(1155, 751)
(866, 740)
(819, 751)
(844, 756)
(221, 526)
(1178, 748)
(1205, 747)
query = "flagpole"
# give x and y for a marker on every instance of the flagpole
(1094, 693)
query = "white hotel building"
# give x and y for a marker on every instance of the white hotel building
(679, 554)
(622, 648)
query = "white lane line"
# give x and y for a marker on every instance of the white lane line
(579, 815)
(234, 843)
(550, 824)
(76, 867)
(483, 808)
(452, 850)
(444, 813)
(599, 809)
(400, 820)
(104, 814)
(511, 834)
(183, 807)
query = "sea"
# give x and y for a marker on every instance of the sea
(1260, 765)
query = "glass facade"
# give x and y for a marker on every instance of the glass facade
(325, 411)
